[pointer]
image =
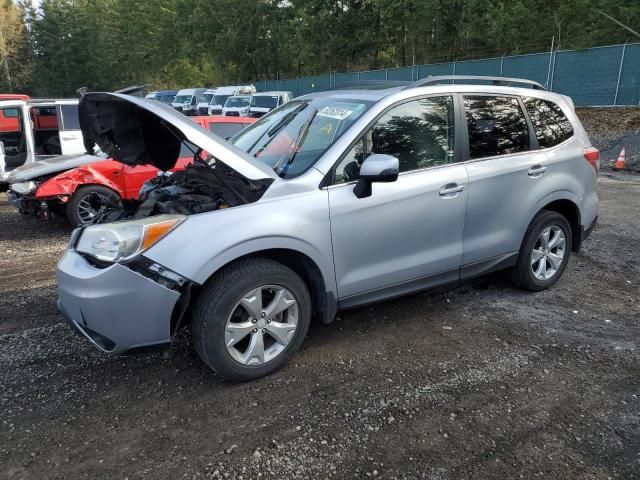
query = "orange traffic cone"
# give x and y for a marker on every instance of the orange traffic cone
(619, 165)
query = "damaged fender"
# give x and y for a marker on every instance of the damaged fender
(64, 185)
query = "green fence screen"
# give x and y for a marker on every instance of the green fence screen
(594, 76)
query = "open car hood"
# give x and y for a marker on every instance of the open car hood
(136, 131)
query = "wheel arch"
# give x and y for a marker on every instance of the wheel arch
(321, 287)
(566, 205)
(67, 183)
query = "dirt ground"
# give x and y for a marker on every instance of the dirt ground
(484, 381)
(610, 129)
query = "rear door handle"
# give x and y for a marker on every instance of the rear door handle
(450, 189)
(537, 171)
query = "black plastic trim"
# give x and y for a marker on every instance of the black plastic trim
(400, 289)
(489, 265)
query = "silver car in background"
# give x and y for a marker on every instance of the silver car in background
(334, 200)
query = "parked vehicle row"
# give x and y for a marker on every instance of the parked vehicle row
(344, 198)
(232, 101)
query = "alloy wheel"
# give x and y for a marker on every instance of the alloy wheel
(261, 325)
(548, 253)
(92, 206)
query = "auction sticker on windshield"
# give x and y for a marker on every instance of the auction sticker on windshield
(339, 111)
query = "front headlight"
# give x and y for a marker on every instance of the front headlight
(24, 188)
(114, 242)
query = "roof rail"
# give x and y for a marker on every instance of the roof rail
(503, 81)
(364, 84)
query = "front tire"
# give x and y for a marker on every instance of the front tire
(251, 318)
(88, 203)
(544, 253)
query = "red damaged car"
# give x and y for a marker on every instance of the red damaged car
(82, 188)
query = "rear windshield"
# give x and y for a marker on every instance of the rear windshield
(237, 102)
(293, 137)
(264, 101)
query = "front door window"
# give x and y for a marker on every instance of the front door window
(419, 133)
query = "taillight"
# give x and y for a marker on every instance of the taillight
(592, 155)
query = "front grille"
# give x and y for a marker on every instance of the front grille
(216, 111)
(178, 108)
(232, 114)
(202, 110)
(257, 114)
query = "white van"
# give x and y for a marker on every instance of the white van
(237, 106)
(264, 102)
(36, 130)
(187, 99)
(205, 100)
(223, 93)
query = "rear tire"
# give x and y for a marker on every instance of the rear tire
(544, 253)
(89, 202)
(234, 331)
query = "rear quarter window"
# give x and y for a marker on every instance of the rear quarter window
(549, 122)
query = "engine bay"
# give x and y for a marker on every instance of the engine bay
(203, 186)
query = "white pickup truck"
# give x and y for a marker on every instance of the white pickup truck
(36, 130)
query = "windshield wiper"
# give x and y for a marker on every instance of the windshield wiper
(285, 120)
(275, 129)
(290, 155)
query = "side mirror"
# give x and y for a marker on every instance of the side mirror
(376, 168)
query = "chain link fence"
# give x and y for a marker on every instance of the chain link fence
(607, 75)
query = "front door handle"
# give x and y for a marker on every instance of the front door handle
(451, 189)
(537, 171)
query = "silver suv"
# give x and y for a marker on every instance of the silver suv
(333, 200)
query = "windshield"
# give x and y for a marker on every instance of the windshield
(182, 99)
(220, 99)
(206, 98)
(235, 102)
(293, 137)
(264, 101)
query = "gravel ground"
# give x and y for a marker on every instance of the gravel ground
(610, 129)
(484, 381)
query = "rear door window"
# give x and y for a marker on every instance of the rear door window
(496, 125)
(549, 122)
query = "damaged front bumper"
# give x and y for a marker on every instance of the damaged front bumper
(26, 204)
(15, 199)
(30, 205)
(117, 309)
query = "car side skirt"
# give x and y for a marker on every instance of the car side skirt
(447, 278)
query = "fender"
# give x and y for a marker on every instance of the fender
(256, 245)
(552, 197)
(65, 184)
